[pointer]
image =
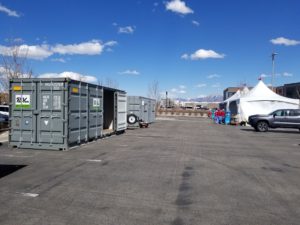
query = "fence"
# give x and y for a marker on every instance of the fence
(179, 112)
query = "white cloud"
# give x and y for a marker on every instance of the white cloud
(72, 75)
(217, 85)
(203, 54)
(185, 56)
(180, 90)
(211, 76)
(155, 5)
(62, 60)
(93, 47)
(286, 74)
(178, 6)
(284, 41)
(18, 40)
(201, 85)
(130, 72)
(196, 23)
(8, 11)
(263, 75)
(114, 24)
(126, 30)
(110, 43)
(38, 52)
(202, 96)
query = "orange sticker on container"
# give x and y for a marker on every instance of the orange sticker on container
(17, 88)
(75, 90)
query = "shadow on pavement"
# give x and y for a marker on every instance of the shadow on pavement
(8, 169)
(273, 131)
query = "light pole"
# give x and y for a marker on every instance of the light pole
(166, 99)
(273, 69)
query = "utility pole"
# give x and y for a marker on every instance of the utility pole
(166, 99)
(273, 69)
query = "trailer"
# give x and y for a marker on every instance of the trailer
(140, 111)
(60, 113)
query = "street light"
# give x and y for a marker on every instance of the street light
(273, 69)
(166, 99)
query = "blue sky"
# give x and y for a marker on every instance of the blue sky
(191, 47)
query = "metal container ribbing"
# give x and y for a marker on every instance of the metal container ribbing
(60, 113)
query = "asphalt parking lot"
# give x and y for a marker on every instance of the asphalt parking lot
(176, 172)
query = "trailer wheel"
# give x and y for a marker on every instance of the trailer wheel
(132, 119)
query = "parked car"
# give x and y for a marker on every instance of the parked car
(282, 118)
(3, 118)
(4, 109)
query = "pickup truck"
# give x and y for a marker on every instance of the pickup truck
(282, 118)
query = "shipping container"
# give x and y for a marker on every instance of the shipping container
(140, 110)
(59, 113)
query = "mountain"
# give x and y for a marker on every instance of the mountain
(209, 98)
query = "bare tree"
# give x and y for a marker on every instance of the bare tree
(14, 65)
(154, 92)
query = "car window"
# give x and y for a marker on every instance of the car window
(279, 113)
(4, 109)
(294, 113)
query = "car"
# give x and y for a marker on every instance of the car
(4, 109)
(281, 118)
(3, 118)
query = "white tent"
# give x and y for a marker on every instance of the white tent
(262, 100)
(231, 103)
(233, 98)
(245, 91)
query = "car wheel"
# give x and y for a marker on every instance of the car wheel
(131, 119)
(262, 126)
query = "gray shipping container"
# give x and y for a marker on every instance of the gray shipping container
(60, 113)
(140, 109)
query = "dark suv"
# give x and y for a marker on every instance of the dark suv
(282, 118)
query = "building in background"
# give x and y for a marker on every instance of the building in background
(279, 90)
(289, 90)
(228, 92)
(167, 103)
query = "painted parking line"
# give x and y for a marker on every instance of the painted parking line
(17, 156)
(31, 195)
(94, 160)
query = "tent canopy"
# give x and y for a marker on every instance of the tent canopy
(234, 97)
(262, 100)
(262, 93)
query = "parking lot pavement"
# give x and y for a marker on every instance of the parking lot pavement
(3, 137)
(176, 172)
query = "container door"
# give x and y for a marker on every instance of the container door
(120, 111)
(95, 112)
(150, 110)
(23, 105)
(145, 112)
(50, 113)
